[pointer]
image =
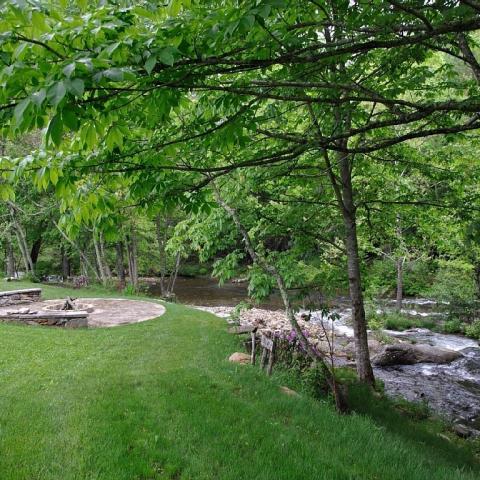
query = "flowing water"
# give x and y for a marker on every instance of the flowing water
(452, 390)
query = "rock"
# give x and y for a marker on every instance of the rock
(289, 392)
(462, 430)
(239, 357)
(408, 354)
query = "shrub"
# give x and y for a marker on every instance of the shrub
(454, 285)
(454, 325)
(397, 321)
(473, 330)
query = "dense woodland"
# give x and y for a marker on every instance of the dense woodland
(314, 146)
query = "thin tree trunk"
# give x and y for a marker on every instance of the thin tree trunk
(132, 259)
(108, 272)
(22, 244)
(120, 265)
(65, 264)
(98, 257)
(399, 300)
(343, 191)
(362, 354)
(161, 230)
(317, 356)
(21, 238)
(173, 275)
(10, 260)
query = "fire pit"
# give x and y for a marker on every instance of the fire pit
(71, 304)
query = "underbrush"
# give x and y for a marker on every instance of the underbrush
(398, 321)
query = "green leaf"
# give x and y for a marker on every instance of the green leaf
(69, 69)
(20, 110)
(39, 97)
(39, 22)
(76, 86)
(174, 7)
(6, 192)
(55, 129)
(115, 74)
(166, 57)
(150, 63)
(70, 119)
(114, 138)
(57, 92)
(54, 176)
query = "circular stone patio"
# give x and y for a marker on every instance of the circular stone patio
(104, 312)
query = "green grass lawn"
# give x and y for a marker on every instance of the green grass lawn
(159, 400)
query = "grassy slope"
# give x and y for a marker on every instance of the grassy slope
(158, 400)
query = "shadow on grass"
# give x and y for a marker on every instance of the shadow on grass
(410, 422)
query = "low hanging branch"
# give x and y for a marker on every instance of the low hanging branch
(316, 355)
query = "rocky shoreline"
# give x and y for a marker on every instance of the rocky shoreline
(440, 370)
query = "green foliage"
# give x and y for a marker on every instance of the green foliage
(473, 330)
(454, 286)
(453, 326)
(381, 278)
(398, 321)
(453, 281)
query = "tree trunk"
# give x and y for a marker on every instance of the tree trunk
(343, 191)
(161, 229)
(22, 245)
(98, 256)
(65, 264)
(35, 252)
(132, 259)
(399, 302)
(10, 260)
(173, 275)
(21, 238)
(362, 355)
(108, 272)
(120, 265)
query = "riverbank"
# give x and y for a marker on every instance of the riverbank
(450, 390)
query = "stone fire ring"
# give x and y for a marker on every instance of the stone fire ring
(109, 312)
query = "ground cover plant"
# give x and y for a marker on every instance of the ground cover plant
(159, 400)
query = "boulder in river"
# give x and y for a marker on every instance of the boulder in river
(409, 354)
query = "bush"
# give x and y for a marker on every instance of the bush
(453, 326)
(453, 282)
(397, 321)
(473, 330)
(31, 277)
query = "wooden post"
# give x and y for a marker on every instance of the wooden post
(263, 360)
(253, 348)
(268, 345)
(271, 358)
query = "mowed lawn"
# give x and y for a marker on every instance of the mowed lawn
(159, 400)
